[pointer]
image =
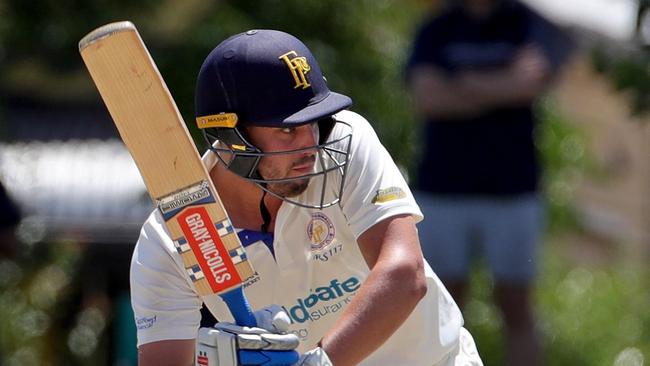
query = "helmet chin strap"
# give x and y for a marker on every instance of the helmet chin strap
(266, 216)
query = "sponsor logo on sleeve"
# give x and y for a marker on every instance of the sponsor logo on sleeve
(145, 322)
(388, 194)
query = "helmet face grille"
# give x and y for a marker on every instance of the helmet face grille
(242, 158)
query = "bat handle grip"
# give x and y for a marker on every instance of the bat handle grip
(239, 307)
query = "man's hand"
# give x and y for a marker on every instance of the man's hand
(228, 344)
(531, 71)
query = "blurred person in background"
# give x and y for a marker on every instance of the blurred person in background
(9, 219)
(475, 72)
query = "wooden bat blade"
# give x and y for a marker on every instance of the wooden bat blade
(153, 130)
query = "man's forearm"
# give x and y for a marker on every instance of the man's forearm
(515, 84)
(370, 319)
(498, 88)
(467, 93)
(437, 96)
(389, 294)
(470, 93)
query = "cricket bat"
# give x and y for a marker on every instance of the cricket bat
(153, 130)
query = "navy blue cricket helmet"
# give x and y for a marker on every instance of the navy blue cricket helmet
(267, 78)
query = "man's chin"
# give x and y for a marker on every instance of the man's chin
(291, 189)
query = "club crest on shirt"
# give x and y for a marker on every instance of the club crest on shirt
(320, 230)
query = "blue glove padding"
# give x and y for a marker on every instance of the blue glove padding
(268, 358)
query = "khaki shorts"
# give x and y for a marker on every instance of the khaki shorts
(506, 232)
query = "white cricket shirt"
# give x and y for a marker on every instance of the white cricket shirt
(313, 266)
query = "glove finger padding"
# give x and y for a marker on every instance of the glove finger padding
(273, 318)
(275, 342)
(254, 338)
(268, 344)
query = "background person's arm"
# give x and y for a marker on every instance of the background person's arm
(471, 92)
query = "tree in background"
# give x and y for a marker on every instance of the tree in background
(360, 43)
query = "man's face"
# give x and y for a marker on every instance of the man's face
(270, 139)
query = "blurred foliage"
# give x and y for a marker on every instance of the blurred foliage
(35, 294)
(360, 46)
(629, 72)
(595, 316)
(587, 316)
(565, 160)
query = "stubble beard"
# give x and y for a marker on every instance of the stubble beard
(290, 188)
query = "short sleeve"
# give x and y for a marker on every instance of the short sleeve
(165, 304)
(374, 186)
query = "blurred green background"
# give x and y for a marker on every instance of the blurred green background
(58, 308)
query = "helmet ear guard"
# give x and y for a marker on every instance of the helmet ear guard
(244, 157)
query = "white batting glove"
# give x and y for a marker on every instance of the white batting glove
(254, 338)
(314, 357)
(228, 344)
(273, 318)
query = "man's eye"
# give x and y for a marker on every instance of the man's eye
(287, 129)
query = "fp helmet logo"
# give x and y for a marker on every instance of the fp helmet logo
(298, 67)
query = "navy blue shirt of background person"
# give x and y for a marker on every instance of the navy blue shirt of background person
(492, 153)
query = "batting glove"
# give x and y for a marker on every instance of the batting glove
(273, 318)
(268, 344)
